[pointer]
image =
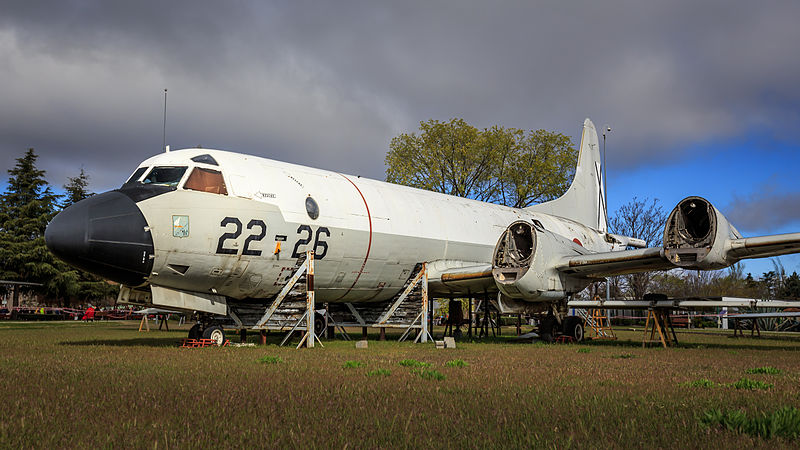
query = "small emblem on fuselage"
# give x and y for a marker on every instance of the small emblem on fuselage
(180, 226)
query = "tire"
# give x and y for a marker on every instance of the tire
(216, 333)
(573, 327)
(319, 325)
(195, 332)
(547, 328)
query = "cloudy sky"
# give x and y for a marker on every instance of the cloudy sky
(702, 98)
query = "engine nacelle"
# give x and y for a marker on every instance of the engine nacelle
(697, 235)
(524, 264)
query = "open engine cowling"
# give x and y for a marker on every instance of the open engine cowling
(523, 265)
(697, 235)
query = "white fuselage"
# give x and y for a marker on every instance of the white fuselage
(368, 235)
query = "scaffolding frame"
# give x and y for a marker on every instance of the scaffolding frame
(417, 281)
(309, 337)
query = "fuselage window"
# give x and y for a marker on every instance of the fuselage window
(206, 180)
(168, 176)
(136, 175)
(312, 208)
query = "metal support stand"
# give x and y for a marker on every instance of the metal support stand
(661, 324)
(471, 317)
(144, 323)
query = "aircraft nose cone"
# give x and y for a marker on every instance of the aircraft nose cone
(106, 235)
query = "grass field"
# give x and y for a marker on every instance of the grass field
(105, 384)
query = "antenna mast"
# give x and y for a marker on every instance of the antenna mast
(164, 138)
(606, 129)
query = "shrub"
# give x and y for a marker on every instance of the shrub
(746, 383)
(270, 359)
(429, 374)
(379, 373)
(353, 364)
(784, 422)
(456, 363)
(414, 363)
(703, 383)
(764, 370)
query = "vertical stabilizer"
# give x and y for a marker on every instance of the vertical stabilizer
(584, 201)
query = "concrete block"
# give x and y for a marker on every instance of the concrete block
(361, 344)
(449, 342)
(439, 344)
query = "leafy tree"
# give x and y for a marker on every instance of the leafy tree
(502, 165)
(26, 207)
(536, 166)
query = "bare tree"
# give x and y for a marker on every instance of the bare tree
(645, 220)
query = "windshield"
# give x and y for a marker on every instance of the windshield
(167, 176)
(136, 175)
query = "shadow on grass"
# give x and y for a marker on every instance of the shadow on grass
(138, 342)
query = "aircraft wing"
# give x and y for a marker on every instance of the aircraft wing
(616, 263)
(764, 246)
(655, 258)
(762, 315)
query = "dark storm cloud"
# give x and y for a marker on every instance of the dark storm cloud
(329, 83)
(767, 209)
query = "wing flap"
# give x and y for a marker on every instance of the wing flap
(456, 277)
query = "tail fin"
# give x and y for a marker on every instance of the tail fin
(584, 201)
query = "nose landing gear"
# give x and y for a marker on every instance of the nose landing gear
(207, 330)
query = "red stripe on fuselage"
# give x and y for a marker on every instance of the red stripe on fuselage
(369, 244)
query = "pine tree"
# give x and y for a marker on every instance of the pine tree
(791, 289)
(76, 189)
(26, 207)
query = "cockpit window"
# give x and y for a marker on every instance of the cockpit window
(206, 180)
(168, 176)
(205, 159)
(136, 175)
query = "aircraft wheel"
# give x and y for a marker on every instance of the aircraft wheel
(195, 332)
(547, 328)
(573, 327)
(319, 324)
(216, 333)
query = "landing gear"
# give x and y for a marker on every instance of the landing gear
(547, 328)
(319, 324)
(215, 333)
(196, 332)
(573, 327)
